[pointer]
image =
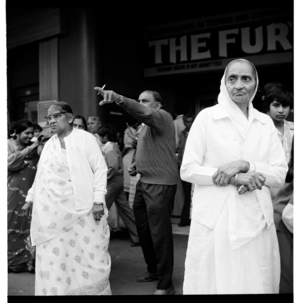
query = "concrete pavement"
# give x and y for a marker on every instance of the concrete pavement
(127, 264)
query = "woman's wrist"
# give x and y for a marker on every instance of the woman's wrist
(245, 166)
(99, 204)
(232, 180)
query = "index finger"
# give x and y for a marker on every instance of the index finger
(100, 90)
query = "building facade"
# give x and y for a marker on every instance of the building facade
(57, 53)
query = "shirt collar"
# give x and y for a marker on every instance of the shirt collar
(221, 113)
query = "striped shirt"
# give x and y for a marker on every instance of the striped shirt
(287, 138)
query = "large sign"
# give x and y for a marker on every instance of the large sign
(261, 36)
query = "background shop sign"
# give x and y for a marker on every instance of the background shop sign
(261, 36)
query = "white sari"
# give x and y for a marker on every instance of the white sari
(71, 249)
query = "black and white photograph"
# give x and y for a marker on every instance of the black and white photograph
(150, 149)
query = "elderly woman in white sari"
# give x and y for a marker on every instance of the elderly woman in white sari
(69, 226)
(233, 155)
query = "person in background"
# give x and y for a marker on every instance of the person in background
(115, 184)
(128, 153)
(22, 163)
(119, 140)
(69, 216)
(37, 130)
(79, 122)
(233, 155)
(179, 127)
(134, 178)
(156, 162)
(288, 216)
(179, 195)
(38, 135)
(188, 120)
(283, 218)
(277, 103)
(93, 125)
(11, 130)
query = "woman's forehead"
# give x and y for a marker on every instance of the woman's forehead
(29, 129)
(54, 108)
(78, 120)
(240, 67)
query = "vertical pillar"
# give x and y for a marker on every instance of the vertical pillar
(80, 67)
(48, 70)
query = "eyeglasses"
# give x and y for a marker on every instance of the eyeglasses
(55, 116)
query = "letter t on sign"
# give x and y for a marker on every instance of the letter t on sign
(157, 45)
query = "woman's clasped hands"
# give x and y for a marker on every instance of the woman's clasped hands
(249, 181)
(237, 173)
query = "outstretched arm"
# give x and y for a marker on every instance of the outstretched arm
(149, 116)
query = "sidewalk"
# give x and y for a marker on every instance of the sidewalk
(127, 263)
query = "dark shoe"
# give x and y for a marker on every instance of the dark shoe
(181, 224)
(114, 234)
(147, 277)
(133, 244)
(169, 291)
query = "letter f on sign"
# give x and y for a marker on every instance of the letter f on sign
(224, 40)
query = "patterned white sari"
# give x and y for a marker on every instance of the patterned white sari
(71, 249)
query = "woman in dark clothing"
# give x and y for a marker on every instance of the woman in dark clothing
(22, 162)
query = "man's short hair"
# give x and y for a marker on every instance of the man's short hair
(156, 95)
(106, 131)
(64, 106)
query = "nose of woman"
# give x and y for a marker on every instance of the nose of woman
(239, 84)
(280, 109)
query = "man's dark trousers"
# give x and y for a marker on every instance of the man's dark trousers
(152, 208)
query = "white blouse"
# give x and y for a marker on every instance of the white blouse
(214, 141)
(87, 167)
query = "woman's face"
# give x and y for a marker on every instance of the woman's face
(78, 123)
(278, 112)
(36, 133)
(59, 120)
(240, 82)
(25, 136)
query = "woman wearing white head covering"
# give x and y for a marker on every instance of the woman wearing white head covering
(233, 155)
(69, 215)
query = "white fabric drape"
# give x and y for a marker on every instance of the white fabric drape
(232, 245)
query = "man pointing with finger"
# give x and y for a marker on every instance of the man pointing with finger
(156, 163)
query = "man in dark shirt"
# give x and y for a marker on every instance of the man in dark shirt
(156, 162)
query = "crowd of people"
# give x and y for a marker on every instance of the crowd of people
(234, 164)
